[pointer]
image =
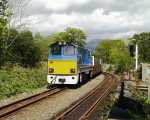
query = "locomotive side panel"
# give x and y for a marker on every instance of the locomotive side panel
(84, 61)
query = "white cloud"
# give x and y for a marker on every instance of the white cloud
(99, 19)
(93, 23)
(57, 5)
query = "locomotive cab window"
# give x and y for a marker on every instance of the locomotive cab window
(69, 50)
(56, 50)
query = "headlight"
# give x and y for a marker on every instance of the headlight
(72, 70)
(51, 70)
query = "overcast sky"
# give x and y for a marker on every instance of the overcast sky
(97, 18)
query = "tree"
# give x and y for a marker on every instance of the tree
(121, 59)
(102, 50)
(15, 46)
(72, 35)
(19, 11)
(4, 15)
(39, 37)
(25, 51)
(143, 41)
(42, 43)
(13, 35)
(114, 52)
(9, 19)
(76, 36)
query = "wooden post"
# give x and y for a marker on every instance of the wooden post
(148, 72)
(148, 90)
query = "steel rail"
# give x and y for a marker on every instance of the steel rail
(94, 105)
(77, 103)
(14, 106)
(102, 87)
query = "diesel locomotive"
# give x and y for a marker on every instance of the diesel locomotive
(69, 63)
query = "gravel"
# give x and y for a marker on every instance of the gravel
(12, 99)
(49, 107)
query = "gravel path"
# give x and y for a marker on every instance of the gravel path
(50, 106)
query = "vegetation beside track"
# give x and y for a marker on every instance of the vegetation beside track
(16, 79)
(21, 52)
(141, 97)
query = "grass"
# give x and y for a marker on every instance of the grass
(16, 79)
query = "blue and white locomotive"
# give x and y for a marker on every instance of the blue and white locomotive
(68, 63)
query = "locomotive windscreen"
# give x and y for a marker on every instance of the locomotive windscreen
(69, 50)
(56, 50)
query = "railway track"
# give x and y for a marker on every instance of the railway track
(10, 108)
(84, 107)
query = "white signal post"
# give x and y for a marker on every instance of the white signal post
(93, 61)
(136, 57)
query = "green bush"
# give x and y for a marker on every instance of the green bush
(17, 79)
(25, 52)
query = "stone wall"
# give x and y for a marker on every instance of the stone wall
(145, 72)
(146, 76)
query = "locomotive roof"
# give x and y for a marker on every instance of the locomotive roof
(68, 43)
(61, 43)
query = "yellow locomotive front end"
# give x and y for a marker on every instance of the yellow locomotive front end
(59, 67)
(62, 65)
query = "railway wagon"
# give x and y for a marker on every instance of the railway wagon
(68, 63)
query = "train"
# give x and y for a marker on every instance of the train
(68, 64)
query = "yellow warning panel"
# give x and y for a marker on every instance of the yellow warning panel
(62, 67)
